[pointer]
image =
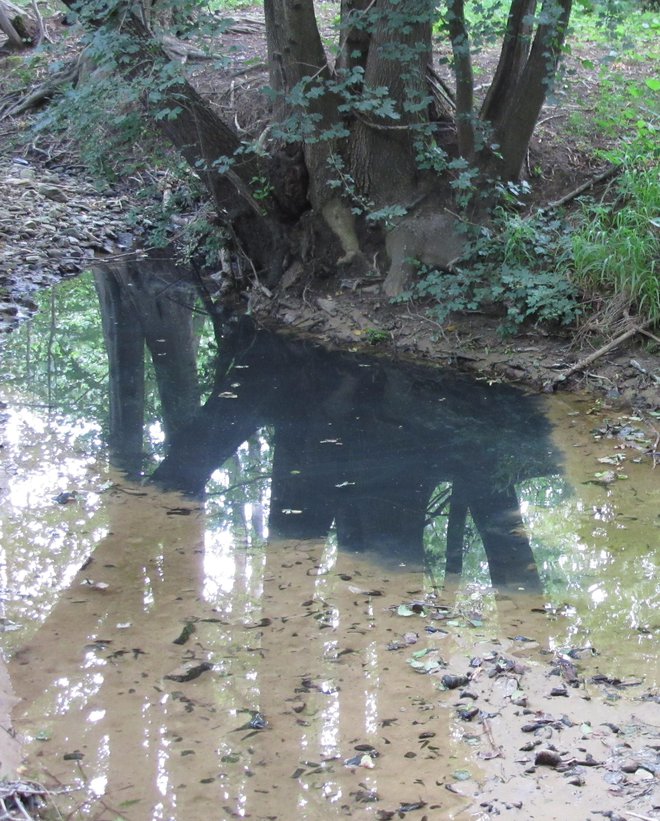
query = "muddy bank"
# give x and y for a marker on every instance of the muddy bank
(358, 315)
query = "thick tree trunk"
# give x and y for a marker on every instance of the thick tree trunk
(382, 152)
(515, 50)
(298, 60)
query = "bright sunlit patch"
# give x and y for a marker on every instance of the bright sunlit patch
(98, 784)
(219, 564)
(597, 594)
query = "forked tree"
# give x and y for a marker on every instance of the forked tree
(370, 159)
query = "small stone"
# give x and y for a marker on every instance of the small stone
(547, 758)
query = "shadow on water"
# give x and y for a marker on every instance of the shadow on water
(378, 449)
(225, 633)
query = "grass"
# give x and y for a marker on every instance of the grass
(616, 246)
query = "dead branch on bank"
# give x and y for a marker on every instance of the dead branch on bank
(604, 175)
(19, 102)
(609, 346)
(21, 799)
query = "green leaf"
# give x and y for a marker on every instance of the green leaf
(653, 83)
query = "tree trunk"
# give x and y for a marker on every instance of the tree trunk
(382, 152)
(21, 30)
(460, 44)
(514, 53)
(515, 125)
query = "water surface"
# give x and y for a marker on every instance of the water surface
(262, 542)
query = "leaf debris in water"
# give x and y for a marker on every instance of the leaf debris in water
(189, 671)
(186, 633)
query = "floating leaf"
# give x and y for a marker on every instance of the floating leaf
(404, 610)
(612, 460)
(462, 775)
(189, 671)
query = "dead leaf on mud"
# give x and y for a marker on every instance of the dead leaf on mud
(189, 671)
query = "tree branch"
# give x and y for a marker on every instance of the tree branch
(516, 124)
(460, 43)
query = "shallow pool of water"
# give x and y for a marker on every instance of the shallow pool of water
(235, 571)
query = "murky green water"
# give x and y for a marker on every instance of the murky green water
(340, 491)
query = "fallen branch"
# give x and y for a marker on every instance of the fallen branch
(613, 343)
(604, 175)
(44, 91)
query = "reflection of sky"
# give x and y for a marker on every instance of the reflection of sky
(43, 542)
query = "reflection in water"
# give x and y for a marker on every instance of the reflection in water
(331, 459)
(357, 442)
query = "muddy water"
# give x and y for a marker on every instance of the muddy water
(276, 648)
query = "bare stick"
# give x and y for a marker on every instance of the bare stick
(614, 169)
(42, 32)
(649, 334)
(613, 343)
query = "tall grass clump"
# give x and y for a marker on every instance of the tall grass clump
(616, 245)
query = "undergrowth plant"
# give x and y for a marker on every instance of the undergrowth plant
(616, 246)
(518, 265)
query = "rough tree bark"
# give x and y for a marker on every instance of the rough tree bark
(352, 155)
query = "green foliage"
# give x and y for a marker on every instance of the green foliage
(616, 247)
(619, 24)
(518, 264)
(375, 336)
(60, 347)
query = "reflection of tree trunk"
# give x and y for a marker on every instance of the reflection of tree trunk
(124, 342)
(301, 496)
(496, 513)
(458, 510)
(386, 517)
(147, 301)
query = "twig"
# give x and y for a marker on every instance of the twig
(43, 31)
(614, 169)
(613, 343)
(649, 334)
(551, 117)
(497, 748)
